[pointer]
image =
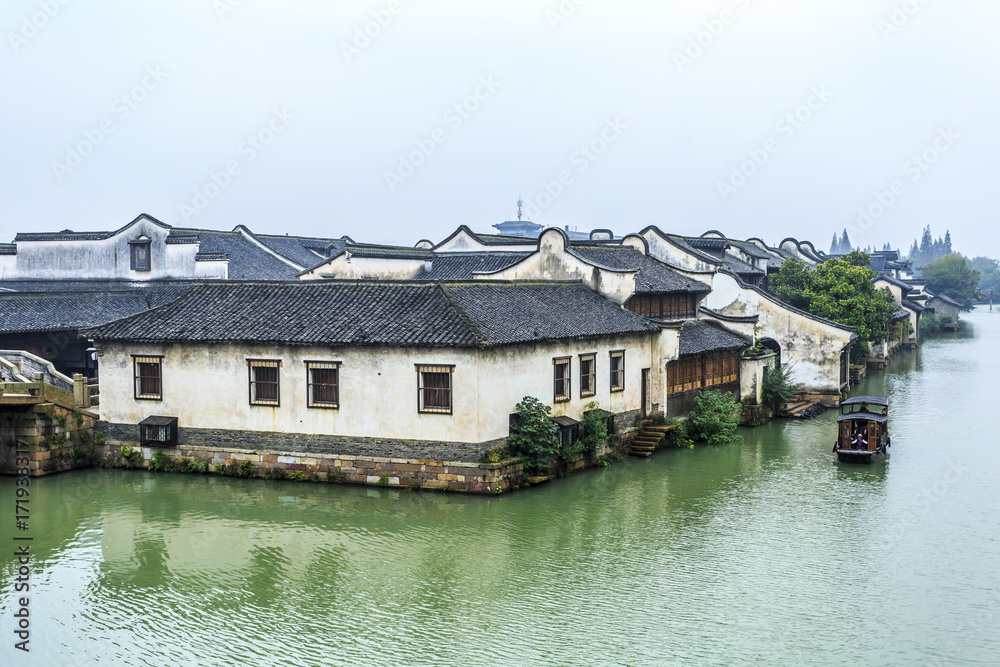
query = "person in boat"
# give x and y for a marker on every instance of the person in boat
(864, 407)
(860, 442)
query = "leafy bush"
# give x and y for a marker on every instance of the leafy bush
(715, 418)
(160, 463)
(495, 455)
(593, 430)
(932, 323)
(275, 473)
(130, 455)
(533, 435)
(676, 438)
(776, 387)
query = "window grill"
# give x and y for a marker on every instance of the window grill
(158, 432)
(147, 373)
(264, 380)
(562, 379)
(323, 380)
(588, 375)
(618, 370)
(434, 393)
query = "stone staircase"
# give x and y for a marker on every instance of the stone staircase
(646, 442)
(799, 408)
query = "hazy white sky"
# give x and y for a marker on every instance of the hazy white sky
(767, 118)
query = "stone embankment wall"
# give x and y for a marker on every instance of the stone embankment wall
(55, 439)
(265, 455)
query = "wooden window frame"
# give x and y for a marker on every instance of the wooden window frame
(620, 372)
(311, 402)
(436, 369)
(567, 380)
(252, 382)
(134, 246)
(592, 358)
(144, 359)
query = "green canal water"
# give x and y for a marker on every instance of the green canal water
(763, 553)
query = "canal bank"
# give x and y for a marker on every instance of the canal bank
(756, 553)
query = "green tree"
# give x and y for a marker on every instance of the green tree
(841, 290)
(715, 418)
(835, 246)
(845, 244)
(533, 435)
(989, 274)
(593, 430)
(952, 276)
(777, 387)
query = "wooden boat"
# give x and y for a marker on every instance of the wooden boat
(863, 429)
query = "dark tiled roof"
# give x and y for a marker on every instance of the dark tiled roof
(388, 252)
(8, 249)
(379, 313)
(913, 306)
(751, 249)
(247, 261)
(65, 286)
(497, 239)
(946, 299)
(464, 266)
(700, 336)
(71, 311)
(211, 257)
(181, 239)
(507, 313)
(900, 315)
(877, 263)
(306, 252)
(654, 276)
(64, 235)
(738, 266)
(703, 243)
(684, 245)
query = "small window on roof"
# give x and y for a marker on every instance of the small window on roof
(139, 254)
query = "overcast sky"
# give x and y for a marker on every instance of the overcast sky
(393, 121)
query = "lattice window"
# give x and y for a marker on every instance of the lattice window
(562, 383)
(588, 375)
(434, 393)
(618, 370)
(323, 382)
(148, 374)
(265, 382)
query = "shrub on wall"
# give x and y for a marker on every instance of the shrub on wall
(776, 387)
(715, 418)
(593, 430)
(533, 435)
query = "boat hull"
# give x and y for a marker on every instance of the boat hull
(863, 456)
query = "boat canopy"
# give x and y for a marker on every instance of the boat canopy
(873, 400)
(863, 416)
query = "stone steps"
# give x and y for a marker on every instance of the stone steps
(649, 438)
